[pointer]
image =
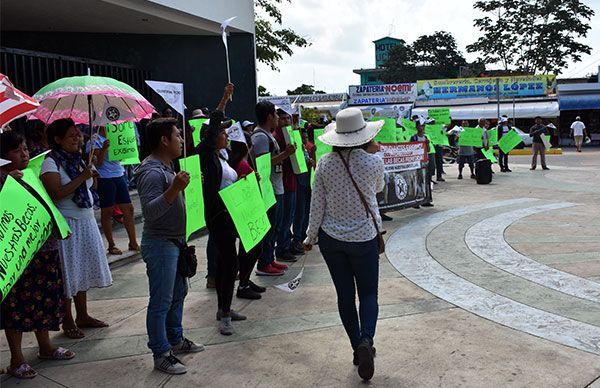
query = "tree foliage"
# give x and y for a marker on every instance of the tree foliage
(263, 92)
(304, 89)
(428, 57)
(532, 35)
(273, 42)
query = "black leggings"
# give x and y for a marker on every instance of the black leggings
(223, 231)
(247, 261)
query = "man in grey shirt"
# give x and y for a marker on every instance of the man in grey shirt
(263, 143)
(163, 207)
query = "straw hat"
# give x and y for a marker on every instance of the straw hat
(350, 129)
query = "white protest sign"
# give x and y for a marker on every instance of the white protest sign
(171, 92)
(236, 133)
(111, 114)
(282, 102)
(293, 284)
(546, 142)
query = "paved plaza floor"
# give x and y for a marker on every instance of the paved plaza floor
(496, 286)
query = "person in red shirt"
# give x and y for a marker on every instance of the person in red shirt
(239, 161)
(283, 251)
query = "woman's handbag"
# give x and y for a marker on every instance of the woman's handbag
(366, 205)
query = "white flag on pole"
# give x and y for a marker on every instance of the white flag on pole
(224, 26)
(171, 92)
(236, 133)
(111, 114)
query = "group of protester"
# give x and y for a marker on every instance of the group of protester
(340, 213)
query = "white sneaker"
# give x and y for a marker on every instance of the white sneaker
(225, 326)
(187, 346)
(170, 364)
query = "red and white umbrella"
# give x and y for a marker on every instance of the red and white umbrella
(13, 102)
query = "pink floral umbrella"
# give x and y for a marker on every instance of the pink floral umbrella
(80, 97)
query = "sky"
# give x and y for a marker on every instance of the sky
(342, 32)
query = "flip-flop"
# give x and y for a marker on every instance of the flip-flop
(73, 333)
(24, 371)
(93, 324)
(134, 248)
(59, 354)
(114, 251)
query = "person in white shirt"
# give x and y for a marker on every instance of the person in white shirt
(578, 132)
(344, 217)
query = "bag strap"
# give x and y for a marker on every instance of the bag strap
(360, 194)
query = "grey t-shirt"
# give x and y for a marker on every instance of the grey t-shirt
(263, 142)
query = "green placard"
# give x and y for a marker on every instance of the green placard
(25, 225)
(245, 205)
(31, 177)
(194, 199)
(126, 162)
(388, 131)
(409, 125)
(440, 115)
(296, 139)
(489, 154)
(431, 146)
(548, 137)
(197, 125)
(35, 164)
(436, 133)
(263, 166)
(493, 136)
(509, 141)
(471, 137)
(123, 141)
(322, 148)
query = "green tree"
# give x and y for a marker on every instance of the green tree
(437, 56)
(263, 92)
(532, 35)
(428, 57)
(273, 42)
(400, 66)
(304, 89)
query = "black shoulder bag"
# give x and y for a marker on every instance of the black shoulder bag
(187, 264)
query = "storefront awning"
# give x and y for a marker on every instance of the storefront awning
(580, 101)
(489, 111)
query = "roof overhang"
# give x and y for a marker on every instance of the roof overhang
(173, 17)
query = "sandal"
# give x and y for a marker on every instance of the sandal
(59, 354)
(134, 248)
(73, 333)
(114, 251)
(91, 323)
(24, 371)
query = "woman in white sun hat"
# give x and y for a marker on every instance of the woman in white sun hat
(344, 218)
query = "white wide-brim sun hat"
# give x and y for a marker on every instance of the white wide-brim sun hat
(350, 129)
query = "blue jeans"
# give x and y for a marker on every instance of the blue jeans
(302, 214)
(354, 266)
(167, 293)
(274, 214)
(284, 237)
